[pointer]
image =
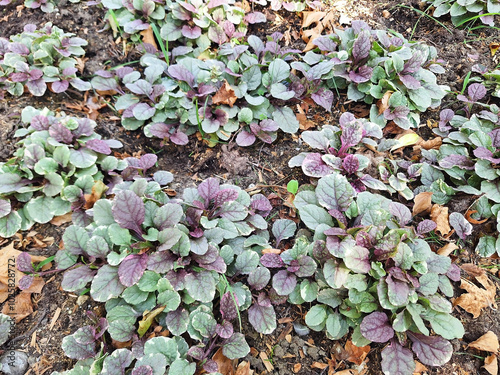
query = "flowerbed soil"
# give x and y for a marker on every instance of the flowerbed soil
(261, 167)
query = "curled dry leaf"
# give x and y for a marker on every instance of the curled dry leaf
(356, 354)
(322, 20)
(472, 269)
(62, 219)
(225, 95)
(439, 215)
(423, 203)
(487, 343)
(491, 364)
(477, 298)
(304, 122)
(224, 364)
(297, 367)
(472, 220)
(434, 143)
(383, 103)
(244, 369)
(419, 368)
(447, 249)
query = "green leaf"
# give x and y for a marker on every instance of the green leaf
(445, 325)
(10, 224)
(40, 210)
(286, 119)
(312, 216)
(316, 316)
(279, 70)
(235, 346)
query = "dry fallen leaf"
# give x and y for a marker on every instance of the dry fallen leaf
(62, 219)
(439, 215)
(383, 103)
(149, 37)
(487, 343)
(419, 368)
(447, 249)
(304, 122)
(297, 367)
(319, 365)
(472, 269)
(98, 190)
(494, 48)
(321, 19)
(356, 354)
(472, 220)
(225, 95)
(477, 298)
(422, 203)
(224, 364)
(22, 307)
(491, 364)
(434, 143)
(244, 369)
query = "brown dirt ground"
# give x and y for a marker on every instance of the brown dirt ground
(261, 164)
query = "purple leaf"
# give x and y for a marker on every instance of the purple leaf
(261, 205)
(217, 35)
(225, 195)
(128, 210)
(426, 226)
(350, 164)
(361, 47)
(335, 192)
(76, 278)
(400, 112)
(69, 71)
(208, 189)
(98, 145)
(191, 32)
(431, 350)
(210, 366)
(261, 315)
(23, 263)
(283, 229)
(397, 360)
(484, 153)
(179, 138)
(26, 282)
(453, 273)
(19, 77)
(352, 134)
(40, 122)
(306, 266)
(460, 161)
(147, 161)
(61, 133)
(495, 137)
(476, 91)
(60, 86)
(196, 352)
(400, 212)
(142, 370)
(323, 98)
(363, 74)
(255, 17)
(271, 260)
(414, 63)
(19, 48)
(462, 227)
(398, 291)
(409, 81)
(37, 87)
(228, 306)
(181, 73)
(314, 166)
(131, 268)
(224, 330)
(259, 278)
(284, 282)
(161, 262)
(325, 43)
(375, 327)
(35, 74)
(160, 130)
(357, 258)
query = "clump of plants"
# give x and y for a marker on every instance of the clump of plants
(60, 161)
(165, 262)
(462, 11)
(374, 274)
(468, 160)
(394, 75)
(36, 59)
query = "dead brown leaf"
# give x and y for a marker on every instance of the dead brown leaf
(477, 298)
(491, 364)
(322, 20)
(149, 37)
(356, 354)
(472, 220)
(304, 122)
(319, 365)
(447, 249)
(419, 368)
(422, 203)
(62, 219)
(434, 143)
(472, 269)
(243, 369)
(487, 343)
(22, 307)
(383, 103)
(98, 190)
(439, 215)
(225, 95)
(224, 364)
(297, 367)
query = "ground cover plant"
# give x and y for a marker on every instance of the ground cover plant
(170, 279)
(60, 159)
(36, 58)
(462, 11)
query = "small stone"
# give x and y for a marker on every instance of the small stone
(300, 329)
(386, 14)
(13, 362)
(81, 300)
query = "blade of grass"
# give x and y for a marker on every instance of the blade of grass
(466, 82)
(476, 17)
(160, 41)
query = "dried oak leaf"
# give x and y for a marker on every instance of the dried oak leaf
(447, 249)
(304, 122)
(439, 215)
(477, 298)
(472, 269)
(383, 103)
(487, 343)
(224, 364)
(419, 368)
(225, 95)
(491, 364)
(149, 37)
(434, 143)
(423, 203)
